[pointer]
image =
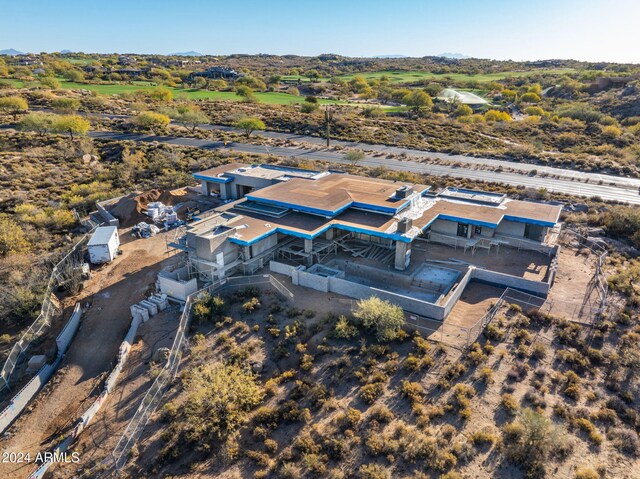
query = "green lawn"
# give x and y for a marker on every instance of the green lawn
(401, 76)
(413, 76)
(273, 98)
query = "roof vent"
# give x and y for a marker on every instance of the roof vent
(404, 191)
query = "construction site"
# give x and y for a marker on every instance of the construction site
(318, 238)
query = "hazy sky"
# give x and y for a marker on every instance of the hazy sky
(596, 30)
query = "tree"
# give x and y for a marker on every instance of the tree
(38, 122)
(50, 82)
(75, 76)
(313, 75)
(72, 124)
(246, 93)
(161, 94)
(354, 156)
(531, 440)
(218, 398)
(418, 101)
(496, 115)
(13, 240)
(193, 117)
(66, 105)
(250, 124)
(150, 120)
(463, 110)
(530, 97)
(384, 317)
(200, 83)
(13, 105)
(217, 85)
(251, 82)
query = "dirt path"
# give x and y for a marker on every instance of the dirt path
(92, 353)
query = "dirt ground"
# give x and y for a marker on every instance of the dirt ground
(572, 295)
(93, 352)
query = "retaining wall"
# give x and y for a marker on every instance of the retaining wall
(69, 331)
(26, 394)
(90, 413)
(20, 400)
(281, 268)
(514, 282)
(106, 216)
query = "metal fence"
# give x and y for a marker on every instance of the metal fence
(161, 384)
(49, 309)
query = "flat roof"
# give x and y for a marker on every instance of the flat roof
(216, 173)
(273, 171)
(102, 235)
(303, 225)
(474, 196)
(334, 193)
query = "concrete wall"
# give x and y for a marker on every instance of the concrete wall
(68, 332)
(264, 244)
(445, 227)
(457, 292)
(107, 217)
(310, 280)
(172, 286)
(361, 291)
(511, 228)
(22, 398)
(515, 282)
(281, 268)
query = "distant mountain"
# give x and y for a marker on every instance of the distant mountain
(390, 56)
(457, 56)
(65, 51)
(188, 54)
(11, 51)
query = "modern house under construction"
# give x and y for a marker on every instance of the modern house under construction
(326, 227)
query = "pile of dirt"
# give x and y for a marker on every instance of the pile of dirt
(129, 209)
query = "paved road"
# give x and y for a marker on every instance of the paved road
(624, 189)
(424, 155)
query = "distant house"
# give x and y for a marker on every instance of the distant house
(604, 83)
(134, 72)
(217, 73)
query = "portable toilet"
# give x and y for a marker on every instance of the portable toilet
(103, 245)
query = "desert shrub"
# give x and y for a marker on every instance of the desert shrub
(251, 305)
(531, 440)
(384, 317)
(218, 397)
(460, 399)
(486, 375)
(344, 329)
(411, 390)
(370, 392)
(509, 402)
(373, 471)
(625, 440)
(381, 413)
(586, 473)
(493, 332)
(482, 437)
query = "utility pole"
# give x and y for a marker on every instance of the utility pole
(328, 118)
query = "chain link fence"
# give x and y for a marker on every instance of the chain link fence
(65, 273)
(120, 455)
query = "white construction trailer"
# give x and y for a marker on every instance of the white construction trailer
(103, 245)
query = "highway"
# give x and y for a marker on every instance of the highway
(568, 181)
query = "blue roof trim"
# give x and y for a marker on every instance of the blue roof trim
(391, 236)
(214, 179)
(467, 221)
(353, 204)
(528, 221)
